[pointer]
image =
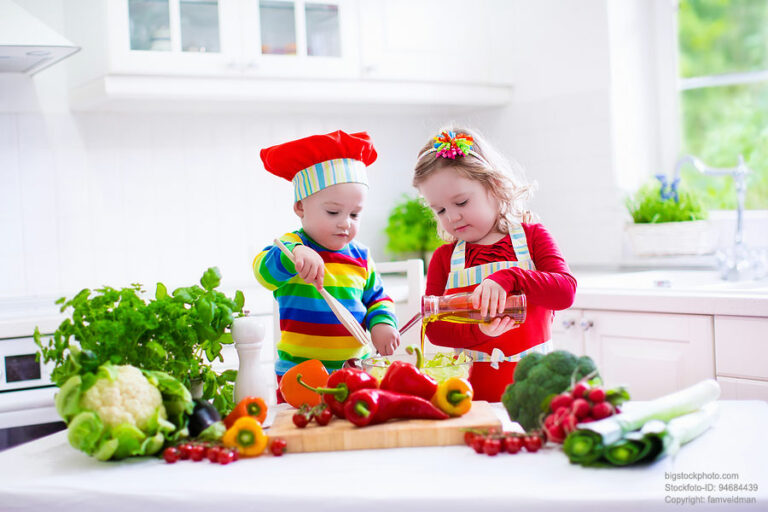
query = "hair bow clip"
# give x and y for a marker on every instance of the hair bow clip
(451, 144)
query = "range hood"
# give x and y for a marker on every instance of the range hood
(27, 45)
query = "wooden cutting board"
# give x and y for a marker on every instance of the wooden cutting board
(342, 435)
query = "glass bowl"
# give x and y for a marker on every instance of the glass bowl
(440, 365)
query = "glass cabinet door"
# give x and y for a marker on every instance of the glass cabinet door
(299, 28)
(174, 25)
(323, 33)
(278, 27)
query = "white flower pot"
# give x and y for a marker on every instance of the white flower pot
(672, 238)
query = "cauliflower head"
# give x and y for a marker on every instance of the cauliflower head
(122, 411)
(130, 398)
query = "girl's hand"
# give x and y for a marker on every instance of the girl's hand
(498, 326)
(490, 297)
(385, 338)
(309, 265)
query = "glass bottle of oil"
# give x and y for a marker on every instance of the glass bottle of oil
(458, 308)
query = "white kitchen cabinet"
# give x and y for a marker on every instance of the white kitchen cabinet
(233, 54)
(742, 357)
(434, 41)
(651, 353)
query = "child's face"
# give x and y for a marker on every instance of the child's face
(464, 208)
(332, 215)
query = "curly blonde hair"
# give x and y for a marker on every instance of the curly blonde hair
(504, 180)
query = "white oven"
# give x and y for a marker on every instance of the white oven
(27, 409)
(26, 391)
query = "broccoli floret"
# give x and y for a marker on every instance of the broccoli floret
(537, 377)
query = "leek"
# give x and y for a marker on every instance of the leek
(646, 432)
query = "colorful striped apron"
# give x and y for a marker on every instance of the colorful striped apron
(496, 359)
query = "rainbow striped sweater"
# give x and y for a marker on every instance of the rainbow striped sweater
(309, 328)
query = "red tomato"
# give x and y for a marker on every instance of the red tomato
(171, 454)
(492, 446)
(478, 443)
(512, 444)
(532, 443)
(278, 445)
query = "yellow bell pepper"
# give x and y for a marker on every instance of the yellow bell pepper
(453, 396)
(247, 436)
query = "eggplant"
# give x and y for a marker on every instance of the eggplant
(203, 416)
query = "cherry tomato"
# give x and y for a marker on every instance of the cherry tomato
(226, 456)
(323, 417)
(300, 420)
(171, 454)
(197, 452)
(478, 443)
(492, 446)
(469, 436)
(278, 445)
(184, 450)
(512, 444)
(234, 454)
(213, 453)
(532, 443)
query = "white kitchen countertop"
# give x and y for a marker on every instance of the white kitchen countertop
(671, 291)
(48, 474)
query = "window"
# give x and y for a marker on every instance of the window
(723, 69)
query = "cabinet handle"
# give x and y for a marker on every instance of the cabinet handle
(567, 324)
(586, 324)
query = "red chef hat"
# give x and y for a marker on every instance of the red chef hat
(319, 161)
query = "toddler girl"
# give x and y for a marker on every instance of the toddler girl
(494, 249)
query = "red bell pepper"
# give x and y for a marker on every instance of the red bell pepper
(341, 384)
(371, 406)
(406, 378)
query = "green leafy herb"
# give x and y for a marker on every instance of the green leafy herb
(648, 206)
(179, 333)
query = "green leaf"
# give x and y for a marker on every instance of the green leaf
(84, 431)
(211, 278)
(183, 294)
(161, 292)
(239, 300)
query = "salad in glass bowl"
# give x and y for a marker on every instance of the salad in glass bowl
(440, 366)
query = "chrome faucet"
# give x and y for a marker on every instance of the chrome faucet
(737, 263)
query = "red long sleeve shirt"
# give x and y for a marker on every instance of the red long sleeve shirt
(550, 286)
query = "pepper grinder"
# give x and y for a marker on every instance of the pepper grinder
(254, 378)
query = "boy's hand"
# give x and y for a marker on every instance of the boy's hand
(385, 338)
(309, 265)
(490, 297)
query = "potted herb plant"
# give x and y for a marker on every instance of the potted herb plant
(412, 230)
(668, 220)
(179, 333)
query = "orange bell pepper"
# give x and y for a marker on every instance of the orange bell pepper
(248, 406)
(246, 436)
(313, 373)
(453, 396)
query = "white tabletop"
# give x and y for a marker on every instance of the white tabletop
(49, 475)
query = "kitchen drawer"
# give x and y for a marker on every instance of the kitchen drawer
(743, 389)
(741, 347)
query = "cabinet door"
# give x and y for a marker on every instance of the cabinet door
(432, 40)
(652, 354)
(566, 331)
(190, 37)
(742, 389)
(300, 38)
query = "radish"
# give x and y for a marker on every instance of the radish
(580, 408)
(602, 410)
(555, 433)
(561, 400)
(580, 389)
(596, 395)
(569, 423)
